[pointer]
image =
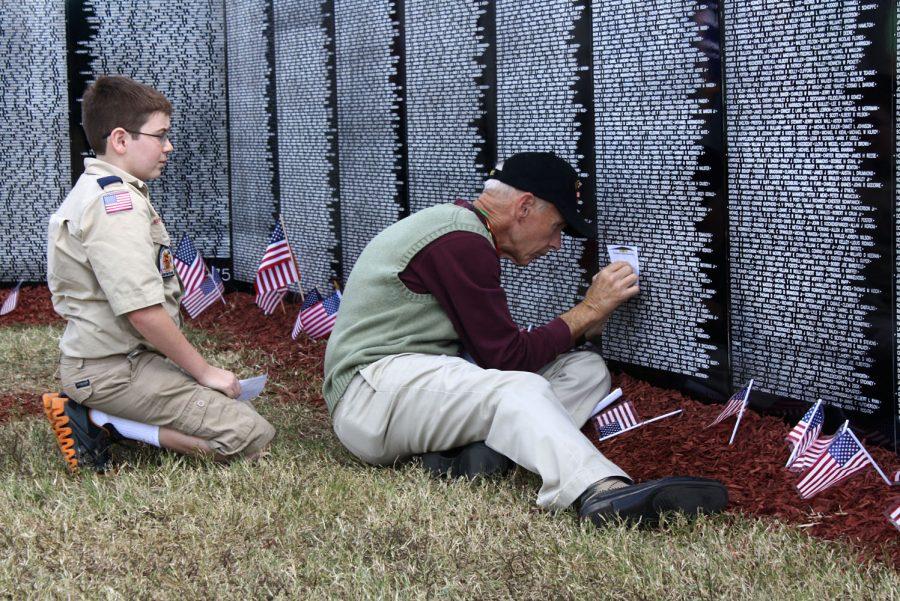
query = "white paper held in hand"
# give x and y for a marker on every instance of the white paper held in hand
(252, 387)
(624, 252)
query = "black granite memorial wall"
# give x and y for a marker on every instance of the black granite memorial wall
(307, 136)
(810, 135)
(370, 120)
(178, 47)
(657, 103)
(34, 136)
(252, 129)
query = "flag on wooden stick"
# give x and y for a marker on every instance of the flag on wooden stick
(806, 431)
(276, 271)
(190, 265)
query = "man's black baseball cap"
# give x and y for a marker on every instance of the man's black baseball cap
(549, 178)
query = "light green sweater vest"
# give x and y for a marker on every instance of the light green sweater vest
(379, 315)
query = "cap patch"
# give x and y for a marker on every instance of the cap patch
(114, 202)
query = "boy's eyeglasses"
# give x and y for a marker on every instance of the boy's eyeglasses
(163, 138)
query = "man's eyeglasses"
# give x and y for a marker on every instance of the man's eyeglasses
(163, 138)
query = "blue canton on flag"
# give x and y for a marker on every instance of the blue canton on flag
(610, 428)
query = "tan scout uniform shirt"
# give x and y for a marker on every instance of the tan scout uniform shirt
(102, 264)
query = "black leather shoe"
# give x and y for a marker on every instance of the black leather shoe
(471, 461)
(644, 503)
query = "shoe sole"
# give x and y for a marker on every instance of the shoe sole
(55, 412)
(690, 498)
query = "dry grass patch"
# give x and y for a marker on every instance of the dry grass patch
(28, 358)
(309, 521)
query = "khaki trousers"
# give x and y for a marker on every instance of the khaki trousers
(148, 388)
(409, 404)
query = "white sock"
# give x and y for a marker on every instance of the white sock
(127, 428)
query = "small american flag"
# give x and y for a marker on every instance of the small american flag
(318, 320)
(896, 477)
(807, 430)
(208, 292)
(804, 461)
(190, 265)
(11, 301)
(267, 301)
(735, 405)
(843, 458)
(893, 514)
(117, 201)
(311, 299)
(618, 418)
(275, 272)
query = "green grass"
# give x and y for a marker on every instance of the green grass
(310, 522)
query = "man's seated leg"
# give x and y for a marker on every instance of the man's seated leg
(410, 404)
(149, 389)
(579, 380)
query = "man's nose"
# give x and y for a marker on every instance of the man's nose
(168, 147)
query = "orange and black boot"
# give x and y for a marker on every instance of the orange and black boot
(82, 443)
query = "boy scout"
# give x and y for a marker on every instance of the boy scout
(125, 367)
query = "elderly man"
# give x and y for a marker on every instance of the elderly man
(427, 290)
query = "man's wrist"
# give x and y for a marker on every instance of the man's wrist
(598, 311)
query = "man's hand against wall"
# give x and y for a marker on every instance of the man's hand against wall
(614, 285)
(611, 287)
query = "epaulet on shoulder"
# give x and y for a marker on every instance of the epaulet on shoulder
(108, 180)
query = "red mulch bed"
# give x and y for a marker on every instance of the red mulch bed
(752, 468)
(19, 405)
(34, 308)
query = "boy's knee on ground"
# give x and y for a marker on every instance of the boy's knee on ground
(230, 427)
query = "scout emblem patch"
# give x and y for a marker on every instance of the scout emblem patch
(117, 201)
(166, 264)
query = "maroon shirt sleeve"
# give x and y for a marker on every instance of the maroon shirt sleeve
(462, 272)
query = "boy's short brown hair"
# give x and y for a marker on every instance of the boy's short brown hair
(117, 101)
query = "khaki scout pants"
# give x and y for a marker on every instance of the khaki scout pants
(409, 404)
(148, 388)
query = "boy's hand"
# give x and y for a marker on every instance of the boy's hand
(155, 325)
(222, 380)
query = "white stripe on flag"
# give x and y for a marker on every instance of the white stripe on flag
(11, 301)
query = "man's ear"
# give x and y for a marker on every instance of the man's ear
(525, 204)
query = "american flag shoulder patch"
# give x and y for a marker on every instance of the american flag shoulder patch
(114, 202)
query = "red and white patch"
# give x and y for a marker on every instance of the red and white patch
(117, 201)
